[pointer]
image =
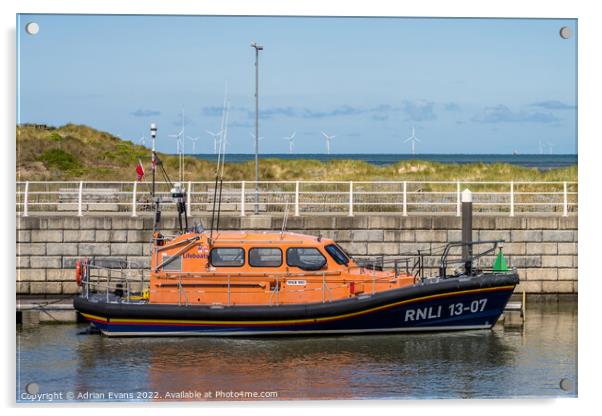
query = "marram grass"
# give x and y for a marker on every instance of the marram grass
(77, 152)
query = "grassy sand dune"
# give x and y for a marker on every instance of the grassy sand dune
(77, 152)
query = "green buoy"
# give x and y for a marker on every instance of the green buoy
(499, 265)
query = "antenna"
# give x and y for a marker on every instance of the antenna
(413, 139)
(221, 182)
(177, 192)
(328, 139)
(180, 148)
(291, 141)
(225, 139)
(219, 172)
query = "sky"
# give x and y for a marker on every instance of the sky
(464, 85)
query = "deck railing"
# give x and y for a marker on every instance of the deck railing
(303, 197)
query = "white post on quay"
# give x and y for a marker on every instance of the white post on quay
(458, 199)
(242, 199)
(296, 198)
(189, 199)
(467, 229)
(80, 195)
(405, 199)
(565, 200)
(26, 200)
(350, 199)
(134, 187)
(512, 198)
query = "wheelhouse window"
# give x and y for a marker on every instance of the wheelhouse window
(337, 254)
(265, 257)
(308, 258)
(227, 257)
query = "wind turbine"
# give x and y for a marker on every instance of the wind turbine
(328, 139)
(551, 147)
(215, 139)
(291, 141)
(178, 137)
(413, 139)
(142, 140)
(540, 147)
(193, 140)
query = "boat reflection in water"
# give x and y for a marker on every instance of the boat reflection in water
(333, 368)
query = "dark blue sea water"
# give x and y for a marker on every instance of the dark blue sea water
(532, 161)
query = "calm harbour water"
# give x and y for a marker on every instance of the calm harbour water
(504, 362)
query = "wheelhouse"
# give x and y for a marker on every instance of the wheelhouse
(258, 268)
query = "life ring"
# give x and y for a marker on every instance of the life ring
(78, 272)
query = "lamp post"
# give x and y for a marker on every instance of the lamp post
(153, 131)
(157, 216)
(257, 49)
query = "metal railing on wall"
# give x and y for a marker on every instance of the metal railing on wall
(303, 197)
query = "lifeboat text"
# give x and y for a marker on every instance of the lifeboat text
(428, 312)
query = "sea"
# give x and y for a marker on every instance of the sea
(539, 161)
(63, 363)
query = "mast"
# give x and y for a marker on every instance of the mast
(219, 161)
(178, 193)
(221, 182)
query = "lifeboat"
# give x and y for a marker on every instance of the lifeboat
(272, 283)
(237, 283)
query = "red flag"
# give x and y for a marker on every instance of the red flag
(140, 171)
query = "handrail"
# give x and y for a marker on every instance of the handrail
(118, 287)
(192, 275)
(444, 261)
(350, 198)
(110, 283)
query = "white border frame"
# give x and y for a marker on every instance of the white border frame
(590, 32)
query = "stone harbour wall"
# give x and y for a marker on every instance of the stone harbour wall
(542, 248)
